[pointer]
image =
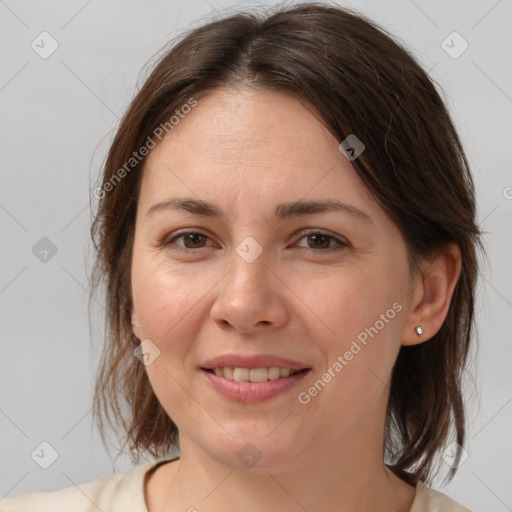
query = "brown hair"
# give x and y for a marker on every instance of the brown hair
(361, 82)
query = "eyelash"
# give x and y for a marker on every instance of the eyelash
(341, 244)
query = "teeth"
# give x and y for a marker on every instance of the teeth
(274, 373)
(253, 374)
(240, 374)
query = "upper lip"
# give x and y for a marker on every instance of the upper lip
(254, 361)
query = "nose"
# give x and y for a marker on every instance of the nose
(251, 298)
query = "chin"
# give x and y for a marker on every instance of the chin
(254, 450)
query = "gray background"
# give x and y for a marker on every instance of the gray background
(58, 115)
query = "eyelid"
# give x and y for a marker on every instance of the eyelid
(317, 231)
(168, 240)
(342, 241)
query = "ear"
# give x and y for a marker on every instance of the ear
(432, 294)
(135, 324)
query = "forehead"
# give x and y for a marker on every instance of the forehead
(249, 142)
(249, 125)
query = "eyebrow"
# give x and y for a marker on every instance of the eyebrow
(282, 211)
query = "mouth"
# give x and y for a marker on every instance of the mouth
(262, 374)
(252, 385)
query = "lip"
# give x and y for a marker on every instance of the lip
(254, 361)
(252, 392)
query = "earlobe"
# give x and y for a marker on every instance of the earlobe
(135, 323)
(432, 296)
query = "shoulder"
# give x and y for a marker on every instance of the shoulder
(114, 493)
(428, 500)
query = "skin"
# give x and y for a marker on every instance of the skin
(246, 150)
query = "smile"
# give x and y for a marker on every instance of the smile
(253, 374)
(252, 385)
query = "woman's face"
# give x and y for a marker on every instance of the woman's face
(328, 289)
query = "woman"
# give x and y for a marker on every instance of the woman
(287, 233)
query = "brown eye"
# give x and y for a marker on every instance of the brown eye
(322, 242)
(191, 240)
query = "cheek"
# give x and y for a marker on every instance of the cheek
(166, 298)
(359, 348)
(343, 304)
(168, 301)
(359, 316)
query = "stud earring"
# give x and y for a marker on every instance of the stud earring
(419, 331)
(134, 326)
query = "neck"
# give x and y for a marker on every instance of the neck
(327, 482)
(340, 470)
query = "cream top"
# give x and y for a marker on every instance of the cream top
(125, 493)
